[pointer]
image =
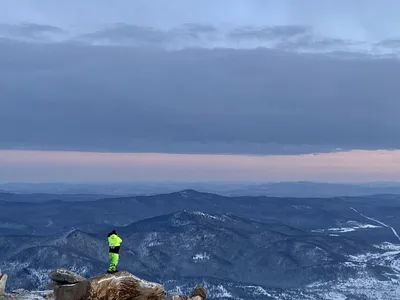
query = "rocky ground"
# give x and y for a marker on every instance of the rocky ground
(66, 285)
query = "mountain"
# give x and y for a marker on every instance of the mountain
(43, 197)
(187, 244)
(231, 255)
(239, 247)
(73, 192)
(56, 216)
(27, 259)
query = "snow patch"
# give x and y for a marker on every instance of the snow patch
(301, 207)
(199, 213)
(379, 222)
(222, 292)
(151, 240)
(354, 226)
(201, 256)
(256, 290)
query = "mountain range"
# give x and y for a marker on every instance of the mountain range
(86, 191)
(239, 247)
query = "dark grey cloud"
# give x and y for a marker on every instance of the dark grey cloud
(186, 35)
(295, 38)
(30, 31)
(289, 37)
(74, 96)
(391, 43)
(268, 33)
(124, 33)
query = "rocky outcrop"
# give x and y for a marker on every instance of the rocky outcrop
(118, 286)
(3, 281)
(22, 294)
(124, 286)
(67, 285)
(75, 291)
(62, 276)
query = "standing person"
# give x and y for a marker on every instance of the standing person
(114, 242)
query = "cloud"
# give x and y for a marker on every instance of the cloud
(143, 76)
(30, 32)
(294, 38)
(267, 33)
(123, 33)
(391, 43)
(260, 101)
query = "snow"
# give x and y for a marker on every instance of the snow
(356, 226)
(201, 256)
(49, 223)
(388, 246)
(185, 194)
(364, 285)
(199, 213)
(256, 290)
(301, 207)
(39, 295)
(151, 240)
(222, 292)
(379, 222)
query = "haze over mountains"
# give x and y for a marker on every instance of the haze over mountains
(279, 189)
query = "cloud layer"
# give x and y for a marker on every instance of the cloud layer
(68, 96)
(261, 77)
(292, 38)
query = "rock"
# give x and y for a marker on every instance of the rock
(176, 296)
(199, 293)
(74, 291)
(124, 286)
(118, 286)
(19, 292)
(27, 295)
(62, 276)
(3, 281)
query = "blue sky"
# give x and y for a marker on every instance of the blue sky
(199, 77)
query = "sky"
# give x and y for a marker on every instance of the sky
(217, 90)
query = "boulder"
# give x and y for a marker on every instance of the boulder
(3, 281)
(72, 291)
(62, 276)
(124, 286)
(119, 286)
(176, 296)
(199, 293)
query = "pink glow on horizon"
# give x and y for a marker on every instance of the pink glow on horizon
(351, 166)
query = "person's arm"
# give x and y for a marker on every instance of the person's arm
(119, 239)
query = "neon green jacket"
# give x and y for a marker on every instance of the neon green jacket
(114, 241)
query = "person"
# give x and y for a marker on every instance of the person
(114, 242)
